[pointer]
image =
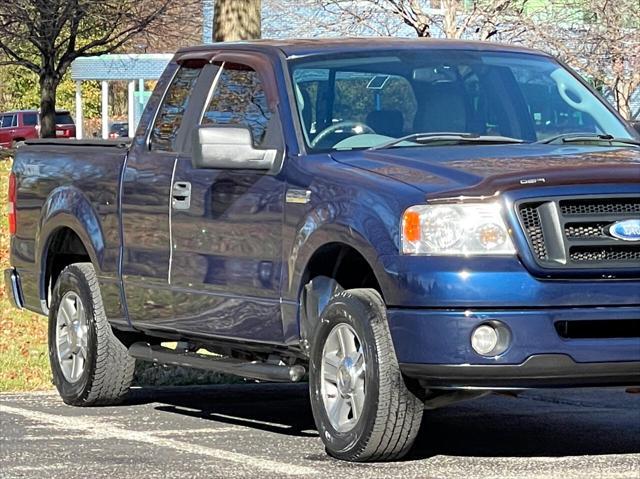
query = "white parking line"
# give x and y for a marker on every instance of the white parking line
(51, 438)
(102, 430)
(202, 430)
(44, 467)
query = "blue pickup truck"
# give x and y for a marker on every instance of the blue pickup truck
(406, 223)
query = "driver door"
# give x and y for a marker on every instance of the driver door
(227, 240)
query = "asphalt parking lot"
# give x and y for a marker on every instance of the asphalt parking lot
(263, 430)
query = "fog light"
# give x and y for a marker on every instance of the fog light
(490, 339)
(484, 339)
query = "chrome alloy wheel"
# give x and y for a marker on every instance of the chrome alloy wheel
(342, 372)
(72, 329)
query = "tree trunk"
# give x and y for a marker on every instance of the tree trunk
(48, 88)
(237, 20)
(450, 21)
(622, 94)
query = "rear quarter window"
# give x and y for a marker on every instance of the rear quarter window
(29, 119)
(169, 118)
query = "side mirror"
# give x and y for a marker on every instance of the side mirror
(229, 147)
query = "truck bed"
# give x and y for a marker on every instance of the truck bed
(61, 179)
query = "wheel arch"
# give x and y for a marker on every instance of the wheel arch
(69, 232)
(344, 263)
(331, 268)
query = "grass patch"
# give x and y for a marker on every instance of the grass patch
(24, 363)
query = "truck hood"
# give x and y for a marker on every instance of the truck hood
(487, 169)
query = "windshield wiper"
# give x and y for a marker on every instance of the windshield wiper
(587, 138)
(436, 137)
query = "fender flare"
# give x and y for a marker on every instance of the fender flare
(68, 207)
(306, 245)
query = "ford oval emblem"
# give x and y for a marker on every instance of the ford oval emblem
(628, 230)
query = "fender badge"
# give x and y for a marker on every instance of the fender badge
(532, 181)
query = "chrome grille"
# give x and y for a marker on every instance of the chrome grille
(608, 254)
(531, 221)
(585, 230)
(572, 233)
(600, 206)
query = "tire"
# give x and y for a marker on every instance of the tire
(101, 370)
(389, 414)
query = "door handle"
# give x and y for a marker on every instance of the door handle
(181, 195)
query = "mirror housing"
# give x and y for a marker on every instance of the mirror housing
(229, 148)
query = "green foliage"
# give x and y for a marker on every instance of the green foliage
(19, 89)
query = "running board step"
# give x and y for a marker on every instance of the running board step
(253, 370)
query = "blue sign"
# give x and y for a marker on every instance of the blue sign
(628, 230)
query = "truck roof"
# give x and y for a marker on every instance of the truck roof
(318, 46)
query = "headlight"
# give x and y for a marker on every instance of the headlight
(462, 229)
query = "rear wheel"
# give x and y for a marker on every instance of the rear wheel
(90, 366)
(361, 405)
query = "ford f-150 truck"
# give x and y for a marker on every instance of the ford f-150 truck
(407, 223)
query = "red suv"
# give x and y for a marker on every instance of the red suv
(22, 125)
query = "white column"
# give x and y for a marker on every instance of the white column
(131, 108)
(105, 109)
(79, 117)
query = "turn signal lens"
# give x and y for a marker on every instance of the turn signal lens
(411, 226)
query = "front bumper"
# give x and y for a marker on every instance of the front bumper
(435, 347)
(538, 371)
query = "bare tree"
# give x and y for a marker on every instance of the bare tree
(480, 19)
(45, 36)
(599, 38)
(237, 20)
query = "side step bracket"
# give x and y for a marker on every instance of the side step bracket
(253, 369)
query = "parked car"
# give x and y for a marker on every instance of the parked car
(411, 223)
(119, 130)
(17, 126)
(636, 125)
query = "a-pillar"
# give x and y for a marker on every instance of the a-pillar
(131, 108)
(105, 109)
(79, 116)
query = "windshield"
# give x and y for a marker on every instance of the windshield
(365, 100)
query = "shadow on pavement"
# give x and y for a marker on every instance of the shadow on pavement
(279, 408)
(494, 426)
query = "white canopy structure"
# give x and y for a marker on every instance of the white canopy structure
(134, 68)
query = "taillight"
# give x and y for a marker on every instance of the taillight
(12, 203)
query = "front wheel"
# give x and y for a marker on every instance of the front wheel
(361, 405)
(90, 366)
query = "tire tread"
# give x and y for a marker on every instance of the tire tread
(113, 371)
(399, 411)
